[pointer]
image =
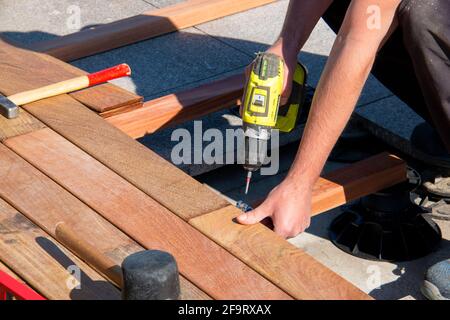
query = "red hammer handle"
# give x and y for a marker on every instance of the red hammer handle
(115, 72)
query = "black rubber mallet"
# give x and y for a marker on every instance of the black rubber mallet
(144, 275)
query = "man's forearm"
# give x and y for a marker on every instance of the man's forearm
(340, 85)
(301, 18)
(333, 103)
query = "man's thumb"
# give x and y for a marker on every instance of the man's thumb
(253, 216)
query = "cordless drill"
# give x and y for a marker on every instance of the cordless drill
(261, 111)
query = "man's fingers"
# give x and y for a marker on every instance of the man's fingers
(253, 216)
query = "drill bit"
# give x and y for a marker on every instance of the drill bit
(249, 178)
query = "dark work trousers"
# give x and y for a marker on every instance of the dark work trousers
(414, 63)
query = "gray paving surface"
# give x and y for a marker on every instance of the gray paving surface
(214, 50)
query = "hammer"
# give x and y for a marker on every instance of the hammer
(145, 275)
(9, 106)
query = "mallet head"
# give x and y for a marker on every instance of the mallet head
(8, 109)
(150, 275)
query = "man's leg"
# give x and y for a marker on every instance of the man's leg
(421, 85)
(426, 33)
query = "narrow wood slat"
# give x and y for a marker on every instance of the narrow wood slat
(46, 204)
(43, 263)
(22, 70)
(179, 107)
(357, 180)
(295, 271)
(144, 26)
(206, 264)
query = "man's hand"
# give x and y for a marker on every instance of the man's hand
(289, 207)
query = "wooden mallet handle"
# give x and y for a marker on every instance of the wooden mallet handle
(70, 85)
(87, 252)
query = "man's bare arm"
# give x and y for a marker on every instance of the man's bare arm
(341, 83)
(301, 18)
(346, 71)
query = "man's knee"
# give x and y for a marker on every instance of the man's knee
(419, 18)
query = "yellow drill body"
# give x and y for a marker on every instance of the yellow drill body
(260, 112)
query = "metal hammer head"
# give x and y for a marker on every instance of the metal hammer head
(150, 275)
(8, 109)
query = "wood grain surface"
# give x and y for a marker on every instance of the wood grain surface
(141, 27)
(207, 265)
(302, 276)
(137, 164)
(24, 123)
(290, 268)
(43, 263)
(9, 272)
(357, 180)
(47, 204)
(22, 70)
(179, 107)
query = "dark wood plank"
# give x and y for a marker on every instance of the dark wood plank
(43, 263)
(144, 26)
(206, 264)
(22, 70)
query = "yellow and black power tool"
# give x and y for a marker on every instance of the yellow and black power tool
(261, 110)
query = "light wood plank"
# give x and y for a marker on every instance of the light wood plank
(285, 265)
(22, 70)
(46, 204)
(144, 26)
(179, 107)
(43, 263)
(206, 264)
